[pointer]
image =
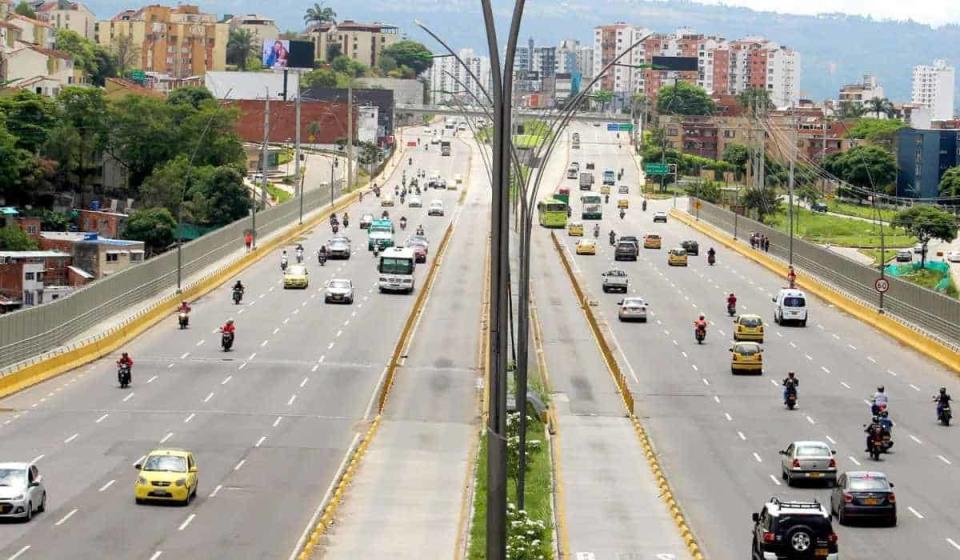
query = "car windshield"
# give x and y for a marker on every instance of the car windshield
(653, 237)
(367, 218)
(15, 478)
(747, 349)
(165, 463)
(794, 301)
(678, 252)
(750, 321)
(297, 271)
(633, 302)
(871, 484)
(339, 284)
(616, 273)
(812, 451)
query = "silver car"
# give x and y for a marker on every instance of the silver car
(436, 208)
(413, 201)
(623, 189)
(339, 290)
(21, 491)
(338, 248)
(633, 309)
(808, 460)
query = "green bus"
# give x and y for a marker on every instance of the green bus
(562, 194)
(553, 213)
(591, 207)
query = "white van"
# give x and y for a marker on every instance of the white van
(790, 305)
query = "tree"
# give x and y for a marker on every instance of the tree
(77, 143)
(322, 77)
(603, 97)
(411, 54)
(880, 106)
(868, 167)
(29, 117)
(12, 238)
(220, 197)
(765, 201)
(737, 155)
(14, 162)
(348, 66)
(156, 227)
(755, 97)
(94, 60)
(333, 51)
(849, 110)
(369, 153)
(240, 46)
(876, 131)
(127, 54)
(192, 95)
(684, 99)
(318, 14)
(106, 66)
(25, 10)
(926, 223)
(950, 182)
(387, 64)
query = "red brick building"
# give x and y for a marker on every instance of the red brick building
(107, 224)
(321, 122)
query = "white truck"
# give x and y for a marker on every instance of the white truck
(615, 280)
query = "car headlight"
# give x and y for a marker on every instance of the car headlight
(142, 481)
(181, 481)
(17, 498)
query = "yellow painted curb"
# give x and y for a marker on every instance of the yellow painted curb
(666, 493)
(923, 344)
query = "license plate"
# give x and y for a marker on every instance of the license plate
(871, 501)
(822, 552)
(815, 475)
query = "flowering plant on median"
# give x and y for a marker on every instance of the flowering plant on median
(525, 536)
(513, 444)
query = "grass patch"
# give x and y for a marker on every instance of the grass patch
(849, 209)
(528, 141)
(285, 156)
(277, 194)
(890, 254)
(834, 230)
(930, 279)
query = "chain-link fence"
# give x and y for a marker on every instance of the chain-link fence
(915, 306)
(34, 330)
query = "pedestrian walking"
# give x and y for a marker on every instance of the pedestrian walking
(248, 241)
(753, 240)
(792, 278)
(766, 244)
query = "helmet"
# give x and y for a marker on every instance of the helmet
(884, 413)
(701, 316)
(731, 294)
(943, 390)
(125, 355)
(790, 374)
(880, 389)
(229, 321)
(184, 302)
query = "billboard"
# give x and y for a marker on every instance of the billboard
(678, 63)
(283, 53)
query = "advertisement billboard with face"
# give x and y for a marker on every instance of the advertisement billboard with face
(283, 53)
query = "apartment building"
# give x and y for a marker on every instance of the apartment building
(362, 42)
(450, 79)
(179, 41)
(261, 27)
(73, 16)
(934, 87)
(611, 41)
(858, 94)
(28, 60)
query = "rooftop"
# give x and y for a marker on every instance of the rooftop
(85, 237)
(32, 254)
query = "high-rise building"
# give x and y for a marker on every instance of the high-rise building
(544, 61)
(933, 87)
(585, 61)
(857, 94)
(611, 41)
(262, 28)
(566, 57)
(362, 42)
(449, 79)
(178, 41)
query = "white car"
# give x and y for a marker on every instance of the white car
(436, 208)
(413, 201)
(660, 216)
(953, 256)
(435, 139)
(386, 200)
(339, 290)
(615, 280)
(21, 491)
(632, 309)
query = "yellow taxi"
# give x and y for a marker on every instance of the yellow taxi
(295, 277)
(651, 241)
(168, 475)
(746, 356)
(575, 229)
(623, 203)
(677, 257)
(748, 327)
(586, 247)
(605, 189)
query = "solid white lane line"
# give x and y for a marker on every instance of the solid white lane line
(292, 398)
(107, 485)
(825, 370)
(952, 543)
(915, 512)
(831, 440)
(65, 517)
(188, 520)
(215, 490)
(774, 479)
(684, 354)
(694, 366)
(27, 547)
(329, 346)
(152, 379)
(102, 418)
(304, 382)
(277, 421)
(346, 323)
(226, 380)
(189, 418)
(166, 438)
(259, 441)
(872, 359)
(944, 459)
(757, 457)
(854, 460)
(202, 340)
(128, 397)
(717, 399)
(675, 342)
(207, 399)
(184, 355)
(774, 383)
(706, 382)
(851, 346)
(807, 356)
(339, 333)
(252, 356)
(741, 436)
(916, 439)
(71, 438)
(240, 464)
(243, 365)
(315, 367)
(320, 361)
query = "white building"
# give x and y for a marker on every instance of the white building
(783, 75)
(585, 61)
(68, 15)
(261, 27)
(858, 94)
(933, 87)
(566, 57)
(609, 42)
(42, 71)
(448, 78)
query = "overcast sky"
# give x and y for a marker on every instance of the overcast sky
(934, 12)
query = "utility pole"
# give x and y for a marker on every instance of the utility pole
(349, 138)
(263, 164)
(793, 157)
(297, 156)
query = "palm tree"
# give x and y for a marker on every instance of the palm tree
(239, 47)
(880, 105)
(319, 14)
(849, 110)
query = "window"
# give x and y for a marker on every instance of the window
(729, 133)
(28, 298)
(28, 276)
(136, 256)
(112, 257)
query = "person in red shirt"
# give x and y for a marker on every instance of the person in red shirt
(184, 307)
(229, 327)
(125, 360)
(731, 302)
(792, 278)
(700, 323)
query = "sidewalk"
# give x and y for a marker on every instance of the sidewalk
(612, 503)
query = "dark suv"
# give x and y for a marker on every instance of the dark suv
(793, 529)
(626, 251)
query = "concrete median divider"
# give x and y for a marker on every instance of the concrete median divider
(57, 364)
(900, 332)
(666, 492)
(326, 514)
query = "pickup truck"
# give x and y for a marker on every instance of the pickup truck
(615, 280)
(586, 181)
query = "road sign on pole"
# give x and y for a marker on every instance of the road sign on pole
(656, 168)
(882, 285)
(612, 127)
(626, 127)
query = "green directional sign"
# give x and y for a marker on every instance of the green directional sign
(656, 168)
(138, 76)
(626, 127)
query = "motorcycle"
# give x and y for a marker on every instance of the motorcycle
(124, 376)
(226, 341)
(336, 228)
(945, 415)
(711, 260)
(183, 319)
(606, 198)
(613, 238)
(876, 443)
(283, 265)
(596, 232)
(237, 295)
(409, 161)
(299, 256)
(731, 309)
(791, 398)
(622, 213)
(700, 333)
(346, 223)
(644, 206)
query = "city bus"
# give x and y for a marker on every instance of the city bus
(562, 193)
(553, 213)
(591, 207)
(396, 270)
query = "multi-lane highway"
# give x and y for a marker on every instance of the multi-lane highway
(269, 422)
(719, 435)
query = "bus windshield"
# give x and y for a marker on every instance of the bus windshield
(591, 199)
(393, 265)
(553, 206)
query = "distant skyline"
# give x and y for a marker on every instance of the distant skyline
(933, 12)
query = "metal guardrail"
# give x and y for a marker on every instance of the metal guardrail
(917, 307)
(28, 333)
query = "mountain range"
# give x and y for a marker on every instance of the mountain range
(835, 49)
